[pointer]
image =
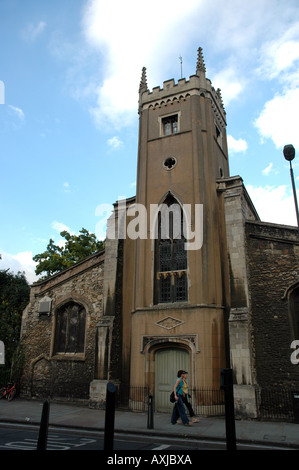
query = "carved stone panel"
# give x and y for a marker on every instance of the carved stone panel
(169, 323)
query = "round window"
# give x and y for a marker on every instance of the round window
(169, 163)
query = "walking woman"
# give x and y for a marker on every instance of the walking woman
(186, 398)
(179, 407)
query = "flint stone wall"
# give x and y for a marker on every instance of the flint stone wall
(273, 267)
(62, 375)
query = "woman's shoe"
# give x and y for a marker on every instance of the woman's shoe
(194, 420)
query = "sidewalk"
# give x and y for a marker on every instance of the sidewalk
(81, 417)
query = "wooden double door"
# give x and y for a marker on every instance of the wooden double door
(167, 363)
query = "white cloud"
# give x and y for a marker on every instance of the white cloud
(18, 112)
(274, 204)
(22, 262)
(281, 55)
(286, 55)
(267, 170)
(279, 119)
(121, 43)
(66, 187)
(114, 142)
(32, 31)
(236, 145)
(59, 227)
(128, 42)
(230, 83)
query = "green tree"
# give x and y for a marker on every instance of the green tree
(14, 296)
(76, 248)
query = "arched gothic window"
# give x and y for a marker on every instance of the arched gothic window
(170, 254)
(70, 329)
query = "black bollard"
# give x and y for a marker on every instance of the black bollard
(228, 387)
(109, 416)
(44, 424)
(150, 413)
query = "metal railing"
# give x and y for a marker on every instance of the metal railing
(204, 402)
(138, 398)
(275, 403)
(207, 402)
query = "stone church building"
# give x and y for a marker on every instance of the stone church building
(190, 277)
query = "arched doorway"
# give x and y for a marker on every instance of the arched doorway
(167, 362)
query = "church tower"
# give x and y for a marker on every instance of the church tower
(180, 271)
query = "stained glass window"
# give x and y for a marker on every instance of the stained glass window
(70, 329)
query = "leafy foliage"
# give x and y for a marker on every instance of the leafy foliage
(76, 247)
(14, 296)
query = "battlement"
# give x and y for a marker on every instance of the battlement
(171, 88)
(171, 91)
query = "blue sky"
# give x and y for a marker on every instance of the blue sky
(69, 79)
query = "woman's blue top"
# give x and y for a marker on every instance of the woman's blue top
(179, 389)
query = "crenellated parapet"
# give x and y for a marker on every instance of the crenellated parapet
(173, 92)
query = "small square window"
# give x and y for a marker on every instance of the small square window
(170, 125)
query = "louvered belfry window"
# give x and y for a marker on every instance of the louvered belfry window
(170, 255)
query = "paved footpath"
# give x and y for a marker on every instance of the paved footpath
(83, 417)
